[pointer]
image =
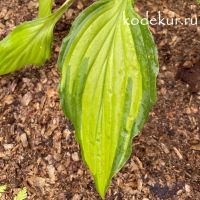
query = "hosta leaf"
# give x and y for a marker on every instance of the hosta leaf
(29, 43)
(108, 84)
(45, 7)
(2, 189)
(22, 195)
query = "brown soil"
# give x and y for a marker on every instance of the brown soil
(37, 145)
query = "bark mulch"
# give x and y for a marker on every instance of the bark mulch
(37, 145)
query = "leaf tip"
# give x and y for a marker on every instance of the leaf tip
(101, 186)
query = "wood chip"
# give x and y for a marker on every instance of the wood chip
(51, 173)
(26, 99)
(139, 163)
(75, 156)
(164, 148)
(24, 140)
(8, 99)
(178, 153)
(76, 197)
(187, 189)
(8, 146)
(139, 184)
(36, 181)
(196, 147)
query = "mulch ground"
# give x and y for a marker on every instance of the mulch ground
(37, 145)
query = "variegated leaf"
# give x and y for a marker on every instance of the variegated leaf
(108, 84)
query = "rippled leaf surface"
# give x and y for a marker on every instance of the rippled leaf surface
(108, 84)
